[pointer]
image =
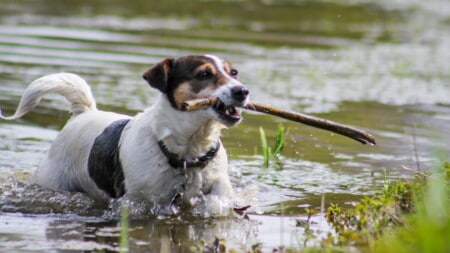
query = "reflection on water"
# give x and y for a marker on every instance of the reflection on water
(378, 65)
(72, 221)
(73, 233)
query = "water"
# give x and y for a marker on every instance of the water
(382, 66)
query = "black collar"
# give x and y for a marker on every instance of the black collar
(200, 162)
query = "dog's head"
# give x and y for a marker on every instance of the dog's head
(195, 77)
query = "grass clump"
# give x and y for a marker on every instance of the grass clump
(361, 225)
(273, 153)
(404, 217)
(427, 229)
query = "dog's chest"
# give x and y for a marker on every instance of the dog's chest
(165, 175)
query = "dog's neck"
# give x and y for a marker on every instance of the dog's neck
(188, 134)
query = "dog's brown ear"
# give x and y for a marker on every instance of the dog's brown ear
(158, 75)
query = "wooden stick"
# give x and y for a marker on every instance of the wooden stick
(351, 132)
(348, 131)
(197, 104)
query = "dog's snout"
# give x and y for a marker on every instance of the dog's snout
(239, 93)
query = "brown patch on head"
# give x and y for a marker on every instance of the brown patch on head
(227, 67)
(188, 77)
(230, 70)
(205, 75)
(198, 77)
(185, 93)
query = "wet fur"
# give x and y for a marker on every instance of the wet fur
(146, 171)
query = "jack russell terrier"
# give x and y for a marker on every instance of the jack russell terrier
(167, 156)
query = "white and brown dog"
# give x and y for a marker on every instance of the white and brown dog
(162, 154)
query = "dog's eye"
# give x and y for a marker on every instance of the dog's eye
(234, 72)
(203, 75)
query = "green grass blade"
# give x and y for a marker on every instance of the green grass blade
(265, 148)
(123, 240)
(280, 140)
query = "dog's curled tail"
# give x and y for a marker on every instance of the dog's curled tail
(71, 86)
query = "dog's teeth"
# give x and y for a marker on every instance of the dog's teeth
(230, 110)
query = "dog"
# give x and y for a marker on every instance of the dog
(165, 155)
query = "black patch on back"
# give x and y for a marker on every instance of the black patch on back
(104, 163)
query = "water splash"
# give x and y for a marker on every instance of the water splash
(33, 199)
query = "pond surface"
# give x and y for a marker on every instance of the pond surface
(377, 65)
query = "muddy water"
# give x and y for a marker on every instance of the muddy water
(372, 64)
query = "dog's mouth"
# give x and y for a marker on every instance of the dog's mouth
(227, 114)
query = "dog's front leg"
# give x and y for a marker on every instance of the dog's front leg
(217, 198)
(193, 193)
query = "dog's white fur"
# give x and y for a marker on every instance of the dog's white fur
(146, 170)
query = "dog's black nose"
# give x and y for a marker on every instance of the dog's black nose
(239, 93)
